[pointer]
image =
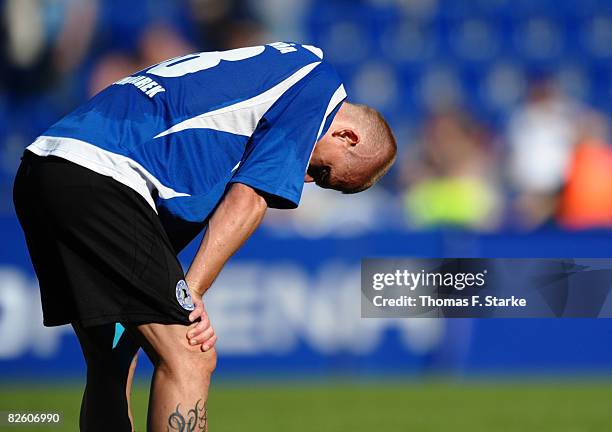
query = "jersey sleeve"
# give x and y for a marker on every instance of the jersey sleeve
(277, 155)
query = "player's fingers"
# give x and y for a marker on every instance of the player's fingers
(203, 337)
(197, 328)
(209, 343)
(197, 311)
(195, 314)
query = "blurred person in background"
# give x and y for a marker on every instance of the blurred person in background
(159, 41)
(450, 180)
(586, 198)
(225, 24)
(45, 42)
(43, 46)
(541, 136)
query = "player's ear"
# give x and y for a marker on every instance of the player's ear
(348, 135)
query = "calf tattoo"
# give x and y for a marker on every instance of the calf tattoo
(196, 419)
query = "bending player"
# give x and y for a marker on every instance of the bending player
(111, 193)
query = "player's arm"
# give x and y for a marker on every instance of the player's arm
(237, 216)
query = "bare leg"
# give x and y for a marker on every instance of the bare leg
(179, 389)
(105, 404)
(128, 388)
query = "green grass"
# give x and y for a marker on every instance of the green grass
(503, 406)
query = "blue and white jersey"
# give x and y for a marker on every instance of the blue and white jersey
(179, 132)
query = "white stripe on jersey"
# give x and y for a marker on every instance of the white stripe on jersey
(241, 118)
(119, 167)
(313, 49)
(336, 98)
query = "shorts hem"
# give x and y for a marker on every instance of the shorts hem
(137, 318)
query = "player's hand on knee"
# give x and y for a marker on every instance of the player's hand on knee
(201, 332)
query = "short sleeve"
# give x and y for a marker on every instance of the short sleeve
(277, 155)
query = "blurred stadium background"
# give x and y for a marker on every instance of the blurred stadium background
(502, 113)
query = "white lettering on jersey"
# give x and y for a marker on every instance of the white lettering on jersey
(145, 84)
(191, 63)
(283, 47)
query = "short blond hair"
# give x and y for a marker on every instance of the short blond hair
(378, 149)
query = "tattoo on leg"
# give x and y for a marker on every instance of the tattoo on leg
(196, 421)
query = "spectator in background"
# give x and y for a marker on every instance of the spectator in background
(452, 182)
(218, 26)
(586, 200)
(541, 137)
(42, 47)
(223, 25)
(108, 69)
(158, 42)
(44, 42)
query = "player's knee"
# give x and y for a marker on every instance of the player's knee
(205, 362)
(190, 364)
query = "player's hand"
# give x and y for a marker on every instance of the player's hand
(200, 332)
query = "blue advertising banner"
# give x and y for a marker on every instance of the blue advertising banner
(291, 306)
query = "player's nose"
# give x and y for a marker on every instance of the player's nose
(308, 178)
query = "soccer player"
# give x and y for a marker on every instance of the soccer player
(111, 193)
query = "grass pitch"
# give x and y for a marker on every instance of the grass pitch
(399, 406)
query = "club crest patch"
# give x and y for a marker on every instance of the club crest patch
(183, 296)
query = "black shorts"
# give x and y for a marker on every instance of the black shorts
(99, 250)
